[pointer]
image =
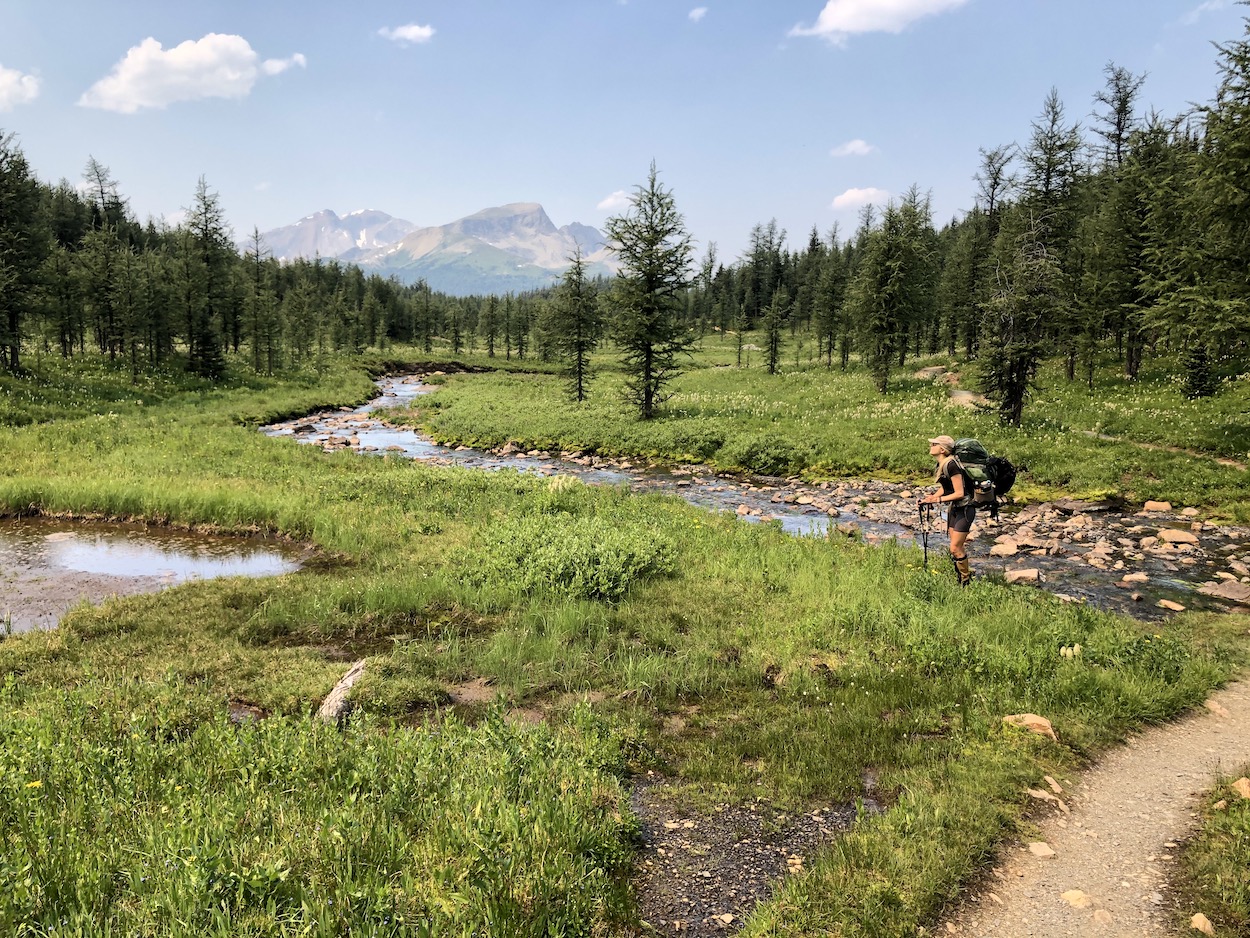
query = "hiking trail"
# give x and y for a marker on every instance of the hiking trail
(1101, 867)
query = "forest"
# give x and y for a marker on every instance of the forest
(1128, 233)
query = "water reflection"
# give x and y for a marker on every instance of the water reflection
(47, 566)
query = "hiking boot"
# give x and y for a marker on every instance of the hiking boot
(963, 569)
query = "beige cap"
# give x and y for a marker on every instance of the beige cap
(946, 442)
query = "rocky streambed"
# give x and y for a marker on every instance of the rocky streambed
(1148, 561)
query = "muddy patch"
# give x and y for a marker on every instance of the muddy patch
(49, 566)
(703, 874)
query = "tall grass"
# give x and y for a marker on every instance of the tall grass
(797, 665)
(132, 811)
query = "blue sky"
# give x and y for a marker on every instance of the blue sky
(794, 110)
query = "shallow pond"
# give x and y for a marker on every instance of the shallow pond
(47, 566)
(1085, 553)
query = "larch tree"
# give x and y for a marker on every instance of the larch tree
(648, 295)
(575, 323)
(1014, 341)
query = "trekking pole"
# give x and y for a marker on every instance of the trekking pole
(926, 517)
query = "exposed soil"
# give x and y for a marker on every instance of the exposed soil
(37, 599)
(1115, 836)
(702, 874)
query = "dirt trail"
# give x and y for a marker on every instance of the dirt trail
(1113, 852)
(1222, 460)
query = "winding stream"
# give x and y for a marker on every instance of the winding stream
(1144, 564)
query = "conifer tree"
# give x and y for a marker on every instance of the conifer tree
(655, 252)
(775, 317)
(24, 243)
(575, 323)
(488, 324)
(1015, 319)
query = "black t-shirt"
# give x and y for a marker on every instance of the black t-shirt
(945, 477)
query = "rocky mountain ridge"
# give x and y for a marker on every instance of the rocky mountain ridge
(507, 248)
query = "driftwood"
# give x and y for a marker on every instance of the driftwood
(336, 706)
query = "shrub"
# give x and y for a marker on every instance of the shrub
(588, 558)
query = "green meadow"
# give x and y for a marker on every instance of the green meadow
(824, 424)
(130, 804)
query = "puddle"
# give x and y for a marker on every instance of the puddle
(48, 566)
(1085, 563)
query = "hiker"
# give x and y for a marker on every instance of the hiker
(960, 512)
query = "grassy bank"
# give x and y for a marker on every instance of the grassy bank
(830, 424)
(796, 666)
(1215, 863)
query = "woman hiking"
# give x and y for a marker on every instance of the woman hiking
(956, 495)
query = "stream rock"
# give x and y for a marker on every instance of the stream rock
(1176, 536)
(1231, 590)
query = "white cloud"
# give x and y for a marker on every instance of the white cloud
(618, 199)
(262, 186)
(278, 66)
(16, 88)
(858, 198)
(217, 66)
(1197, 12)
(697, 14)
(842, 18)
(409, 34)
(853, 148)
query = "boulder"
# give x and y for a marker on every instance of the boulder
(1170, 606)
(1033, 723)
(1005, 549)
(1231, 590)
(1175, 536)
(1025, 575)
(1157, 506)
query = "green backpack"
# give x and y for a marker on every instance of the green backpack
(988, 477)
(974, 460)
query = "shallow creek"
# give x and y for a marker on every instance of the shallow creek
(1144, 563)
(47, 566)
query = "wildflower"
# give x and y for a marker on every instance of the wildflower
(35, 784)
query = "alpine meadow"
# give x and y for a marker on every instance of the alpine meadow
(559, 655)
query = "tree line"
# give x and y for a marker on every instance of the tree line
(1128, 236)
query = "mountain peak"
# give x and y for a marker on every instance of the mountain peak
(498, 249)
(326, 234)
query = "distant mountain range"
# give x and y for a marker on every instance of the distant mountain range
(510, 248)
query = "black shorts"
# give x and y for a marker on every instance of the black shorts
(960, 519)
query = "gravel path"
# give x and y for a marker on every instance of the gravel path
(1114, 845)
